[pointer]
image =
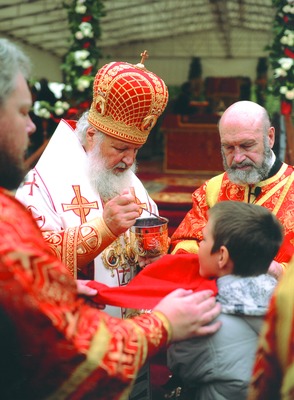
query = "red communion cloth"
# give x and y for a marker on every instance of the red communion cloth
(154, 282)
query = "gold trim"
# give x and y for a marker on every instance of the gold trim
(166, 323)
(94, 236)
(191, 246)
(284, 322)
(278, 175)
(266, 196)
(284, 193)
(213, 189)
(69, 246)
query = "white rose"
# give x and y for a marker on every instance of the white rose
(84, 54)
(290, 94)
(86, 28)
(284, 40)
(85, 25)
(283, 89)
(59, 111)
(37, 107)
(82, 84)
(286, 63)
(80, 87)
(86, 64)
(279, 72)
(79, 35)
(44, 113)
(65, 105)
(80, 55)
(88, 32)
(80, 9)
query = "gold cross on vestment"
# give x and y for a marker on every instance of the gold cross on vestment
(80, 205)
(142, 205)
(144, 56)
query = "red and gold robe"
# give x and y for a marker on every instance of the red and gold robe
(61, 347)
(273, 372)
(277, 194)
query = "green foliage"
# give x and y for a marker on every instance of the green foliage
(281, 52)
(81, 62)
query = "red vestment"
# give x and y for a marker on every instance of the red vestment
(277, 195)
(53, 344)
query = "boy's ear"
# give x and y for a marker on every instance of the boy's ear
(224, 261)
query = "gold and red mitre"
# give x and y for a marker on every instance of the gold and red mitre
(127, 101)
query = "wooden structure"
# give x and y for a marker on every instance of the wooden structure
(191, 146)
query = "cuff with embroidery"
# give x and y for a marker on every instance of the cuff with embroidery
(94, 237)
(166, 324)
(100, 225)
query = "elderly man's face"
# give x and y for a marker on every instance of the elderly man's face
(246, 151)
(111, 165)
(118, 155)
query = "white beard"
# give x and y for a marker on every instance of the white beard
(104, 181)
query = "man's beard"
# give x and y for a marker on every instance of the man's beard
(12, 170)
(104, 181)
(255, 174)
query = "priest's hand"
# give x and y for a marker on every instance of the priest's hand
(87, 292)
(121, 212)
(144, 261)
(190, 313)
(83, 289)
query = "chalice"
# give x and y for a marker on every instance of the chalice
(149, 236)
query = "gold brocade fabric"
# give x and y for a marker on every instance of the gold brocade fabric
(68, 349)
(120, 255)
(127, 101)
(277, 194)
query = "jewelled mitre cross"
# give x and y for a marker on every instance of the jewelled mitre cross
(144, 57)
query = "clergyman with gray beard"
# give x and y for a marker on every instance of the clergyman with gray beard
(253, 174)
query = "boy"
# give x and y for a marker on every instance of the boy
(219, 366)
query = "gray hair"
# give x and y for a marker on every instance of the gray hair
(81, 129)
(12, 62)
